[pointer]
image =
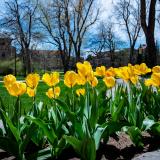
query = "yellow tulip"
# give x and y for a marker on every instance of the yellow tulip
(80, 80)
(8, 80)
(109, 81)
(137, 69)
(148, 82)
(84, 69)
(100, 71)
(70, 79)
(144, 69)
(17, 89)
(141, 69)
(31, 92)
(80, 92)
(51, 79)
(53, 93)
(110, 72)
(57, 91)
(123, 73)
(154, 80)
(127, 74)
(32, 80)
(50, 93)
(156, 69)
(134, 79)
(93, 82)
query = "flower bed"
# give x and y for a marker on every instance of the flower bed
(94, 107)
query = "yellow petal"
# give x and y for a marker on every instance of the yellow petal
(80, 80)
(110, 72)
(51, 79)
(70, 79)
(109, 81)
(50, 93)
(148, 82)
(84, 68)
(100, 71)
(32, 80)
(30, 92)
(94, 82)
(155, 79)
(80, 92)
(17, 89)
(141, 69)
(53, 93)
(57, 91)
(134, 79)
(156, 69)
(8, 80)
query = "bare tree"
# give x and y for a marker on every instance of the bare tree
(66, 22)
(81, 17)
(98, 41)
(106, 38)
(111, 41)
(128, 15)
(52, 20)
(20, 21)
(148, 26)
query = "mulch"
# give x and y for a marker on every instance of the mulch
(118, 147)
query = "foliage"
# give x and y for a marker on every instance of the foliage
(81, 111)
(8, 67)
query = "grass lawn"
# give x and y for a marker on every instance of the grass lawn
(22, 77)
(25, 99)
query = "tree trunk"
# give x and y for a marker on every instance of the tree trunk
(24, 62)
(131, 54)
(28, 61)
(15, 64)
(151, 57)
(149, 31)
(78, 58)
(65, 67)
(65, 61)
(112, 58)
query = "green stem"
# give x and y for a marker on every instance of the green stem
(112, 93)
(34, 106)
(19, 113)
(55, 110)
(73, 107)
(88, 110)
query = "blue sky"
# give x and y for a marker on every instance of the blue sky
(106, 7)
(107, 10)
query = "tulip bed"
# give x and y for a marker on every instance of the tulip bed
(84, 109)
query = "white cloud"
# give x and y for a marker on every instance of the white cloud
(106, 7)
(107, 10)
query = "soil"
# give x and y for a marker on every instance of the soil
(119, 147)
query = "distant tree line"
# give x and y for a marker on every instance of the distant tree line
(73, 25)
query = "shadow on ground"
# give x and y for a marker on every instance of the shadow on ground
(118, 147)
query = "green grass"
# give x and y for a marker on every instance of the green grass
(42, 88)
(17, 77)
(22, 77)
(25, 99)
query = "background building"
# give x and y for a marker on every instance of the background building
(7, 51)
(46, 60)
(116, 59)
